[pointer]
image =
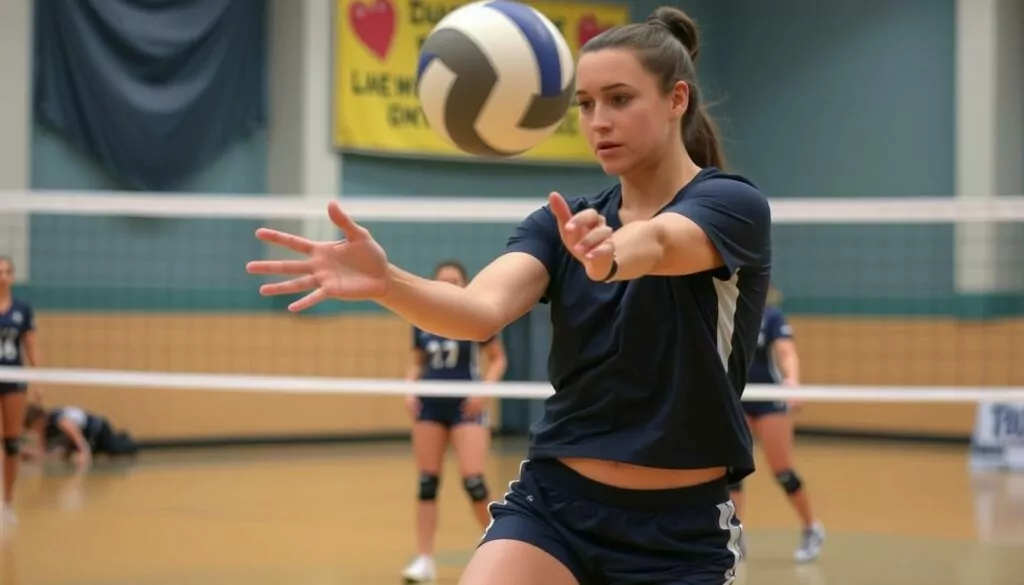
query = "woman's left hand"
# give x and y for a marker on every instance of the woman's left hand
(587, 236)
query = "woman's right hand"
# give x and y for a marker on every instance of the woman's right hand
(412, 404)
(354, 268)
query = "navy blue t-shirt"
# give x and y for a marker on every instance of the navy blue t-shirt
(15, 323)
(651, 371)
(446, 359)
(764, 370)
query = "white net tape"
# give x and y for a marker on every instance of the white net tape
(441, 211)
(1003, 209)
(523, 390)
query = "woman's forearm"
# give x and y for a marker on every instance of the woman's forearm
(495, 370)
(31, 351)
(413, 373)
(789, 361)
(638, 249)
(439, 307)
(791, 369)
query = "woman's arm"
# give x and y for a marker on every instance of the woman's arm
(501, 293)
(356, 268)
(725, 225)
(497, 361)
(788, 360)
(35, 395)
(415, 370)
(31, 349)
(71, 430)
(667, 245)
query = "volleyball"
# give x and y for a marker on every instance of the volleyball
(495, 78)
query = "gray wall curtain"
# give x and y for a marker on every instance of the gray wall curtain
(153, 90)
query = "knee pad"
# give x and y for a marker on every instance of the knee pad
(12, 447)
(736, 487)
(428, 487)
(789, 481)
(476, 487)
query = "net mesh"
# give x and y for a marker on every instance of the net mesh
(130, 289)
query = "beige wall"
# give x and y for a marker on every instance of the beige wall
(833, 351)
(913, 352)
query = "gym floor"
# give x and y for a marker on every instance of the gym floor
(895, 513)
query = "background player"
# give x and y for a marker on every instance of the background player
(657, 287)
(438, 420)
(17, 348)
(80, 434)
(775, 362)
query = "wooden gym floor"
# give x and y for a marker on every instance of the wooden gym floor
(341, 515)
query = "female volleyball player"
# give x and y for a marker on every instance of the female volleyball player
(657, 287)
(17, 346)
(438, 420)
(775, 362)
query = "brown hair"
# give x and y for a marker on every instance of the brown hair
(452, 264)
(667, 45)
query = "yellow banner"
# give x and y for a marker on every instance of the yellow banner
(376, 48)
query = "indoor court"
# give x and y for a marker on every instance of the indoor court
(144, 143)
(332, 515)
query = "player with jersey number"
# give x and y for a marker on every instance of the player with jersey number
(438, 420)
(657, 286)
(17, 349)
(776, 362)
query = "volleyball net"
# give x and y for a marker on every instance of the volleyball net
(908, 301)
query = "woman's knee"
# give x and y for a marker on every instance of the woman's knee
(476, 487)
(12, 447)
(428, 488)
(789, 480)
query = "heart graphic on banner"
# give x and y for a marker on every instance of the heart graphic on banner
(588, 28)
(374, 24)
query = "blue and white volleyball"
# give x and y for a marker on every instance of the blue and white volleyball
(495, 78)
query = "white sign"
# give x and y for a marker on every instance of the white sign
(998, 439)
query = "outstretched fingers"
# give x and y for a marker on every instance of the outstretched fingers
(279, 267)
(353, 231)
(596, 239)
(295, 285)
(560, 208)
(308, 301)
(292, 242)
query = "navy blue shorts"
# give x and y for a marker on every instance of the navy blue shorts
(607, 535)
(447, 412)
(12, 388)
(759, 408)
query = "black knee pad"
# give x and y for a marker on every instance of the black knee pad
(736, 487)
(428, 487)
(476, 487)
(12, 447)
(789, 481)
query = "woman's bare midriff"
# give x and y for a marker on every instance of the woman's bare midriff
(635, 477)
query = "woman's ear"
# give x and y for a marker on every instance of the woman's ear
(679, 98)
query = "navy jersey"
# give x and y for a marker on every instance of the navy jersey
(651, 371)
(764, 370)
(15, 322)
(446, 359)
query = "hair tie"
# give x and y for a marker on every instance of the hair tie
(662, 24)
